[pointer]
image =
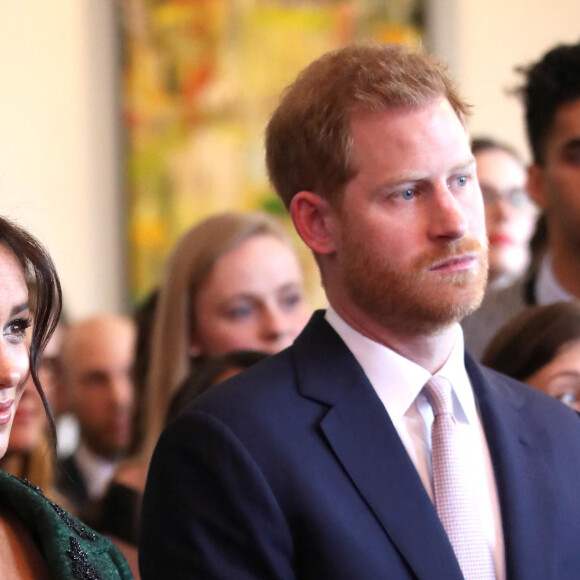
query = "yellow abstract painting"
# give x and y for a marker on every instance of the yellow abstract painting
(201, 78)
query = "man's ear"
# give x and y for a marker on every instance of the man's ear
(313, 218)
(536, 187)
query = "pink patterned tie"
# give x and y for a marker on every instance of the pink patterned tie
(453, 500)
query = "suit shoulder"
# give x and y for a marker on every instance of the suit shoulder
(495, 310)
(535, 402)
(253, 395)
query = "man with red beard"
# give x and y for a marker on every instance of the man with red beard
(97, 364)
(328, 460)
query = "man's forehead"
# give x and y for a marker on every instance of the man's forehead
(566, 124)
(411, 136)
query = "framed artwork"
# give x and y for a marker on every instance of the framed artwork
(200, 80)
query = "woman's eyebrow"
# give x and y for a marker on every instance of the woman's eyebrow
(19, 308)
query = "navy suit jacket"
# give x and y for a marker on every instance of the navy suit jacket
(293, 469)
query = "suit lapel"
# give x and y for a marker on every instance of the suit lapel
(522, 473)
(363, 438)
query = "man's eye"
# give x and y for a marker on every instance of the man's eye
(462, 180)
(408, 194)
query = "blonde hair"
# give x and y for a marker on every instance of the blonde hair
(191, 261)
(307, 140)
(37, 466)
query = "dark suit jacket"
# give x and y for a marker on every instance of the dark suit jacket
(293, 469)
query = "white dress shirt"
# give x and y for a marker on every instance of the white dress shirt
(398, 383)
(548, 290)
(97, 472)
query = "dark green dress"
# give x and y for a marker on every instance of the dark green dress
(71, 549)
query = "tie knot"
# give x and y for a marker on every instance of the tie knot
(438, 392)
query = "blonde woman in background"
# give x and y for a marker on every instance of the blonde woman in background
(232, 282)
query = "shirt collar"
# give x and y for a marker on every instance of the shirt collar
(398, 380)
(548, 289)
(97, 471)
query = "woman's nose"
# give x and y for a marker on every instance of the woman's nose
(273, 324)
(11, 368)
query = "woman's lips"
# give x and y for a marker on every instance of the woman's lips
(501, 240)
(6, 411)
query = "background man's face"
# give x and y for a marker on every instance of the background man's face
(98, 361)
(410, 234)
(556, 186)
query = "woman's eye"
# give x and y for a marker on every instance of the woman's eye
(17, 328)
(241, 311)
(292, 300)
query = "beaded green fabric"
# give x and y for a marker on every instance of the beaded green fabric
(70, 548)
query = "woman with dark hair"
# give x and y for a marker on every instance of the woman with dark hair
(29, 455)
(212, 372)
(38, 539)
(541, 347)
(120, 521)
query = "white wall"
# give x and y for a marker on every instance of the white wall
(59, 155)
(484, 40)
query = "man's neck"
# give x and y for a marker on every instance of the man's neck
(429, 349)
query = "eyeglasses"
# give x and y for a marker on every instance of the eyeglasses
(568, 398)
(516, 197)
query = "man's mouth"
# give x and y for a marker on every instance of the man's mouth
(455, 263)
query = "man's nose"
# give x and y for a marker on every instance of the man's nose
(122, 391)
(447, 219)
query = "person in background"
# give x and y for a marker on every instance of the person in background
(97, 363)
(510, 214)
(551, 96)
(232, 282)
(373, 447)
(29, 455)
(120, 521)
(38, 539)
(541, 347)
(144, 317)
(213, 371)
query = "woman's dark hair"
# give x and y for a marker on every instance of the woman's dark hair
(208, 374)
(532, 339)
(144, 317)
(44, 295)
